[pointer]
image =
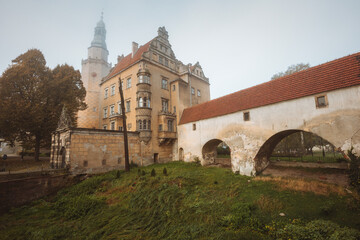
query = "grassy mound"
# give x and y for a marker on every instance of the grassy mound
(185, 201)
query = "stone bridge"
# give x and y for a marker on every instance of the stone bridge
(324, 100)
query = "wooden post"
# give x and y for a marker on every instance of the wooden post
(126, 148)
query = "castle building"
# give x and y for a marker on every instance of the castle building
(157, 88)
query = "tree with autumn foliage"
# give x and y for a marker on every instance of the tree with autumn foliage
(32, 96)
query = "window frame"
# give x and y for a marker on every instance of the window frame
(128, 83)
(164, 84)
(246, 116)
(106, 93)
(112, 92)
(105, 112)
(326, 103)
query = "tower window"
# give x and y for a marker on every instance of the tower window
(106, 94)
(170, 126)
(105, 112)
(128, 106)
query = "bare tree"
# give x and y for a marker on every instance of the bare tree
(126, 147)
(291, 69)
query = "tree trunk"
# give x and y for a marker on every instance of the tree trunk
(37, 148)
(126, 148)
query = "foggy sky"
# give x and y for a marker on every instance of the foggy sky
(238, 43)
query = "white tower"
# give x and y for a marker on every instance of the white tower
(94, 68)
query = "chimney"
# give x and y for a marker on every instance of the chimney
(134, 48)
(119, 58)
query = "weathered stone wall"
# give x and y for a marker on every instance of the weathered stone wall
(338, 123)
(93, 151)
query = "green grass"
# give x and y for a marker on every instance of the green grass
(191, 202)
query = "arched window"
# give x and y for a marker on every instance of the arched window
(144, 104)
(141, 102)
(144, 124)
(149, 125)
(140, 124)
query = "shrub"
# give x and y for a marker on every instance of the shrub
(133, 165)
(165, 171)
(143, 173)
(197, 160)
(117, 174)
(153, 173)
(345, 233)
(354, 171)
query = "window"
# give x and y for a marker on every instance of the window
(144, 79)
(194, 126)
(119, 107)
(94, 109)
(112, 110)
(128, 83)
(321, 101)
(148, 103)
(112, 126)
(144, 124)
(165, 105)
(174, 109)
(106, 94)
(173, 87)
(121, 128)
(141, 102)
(105, 112)
(192, 91)
(129, 126)
(161, 60)
(103, 162)
(128, 106)
(112, 90)
(160, 127)
(166, 62)
(246, 116)
(149, 125)
(198, 93)
(170, 126)
(140, 124)
(164, 84)
(104, 127)
(85, 164)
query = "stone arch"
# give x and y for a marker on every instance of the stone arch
(209, 151)
(263, 155)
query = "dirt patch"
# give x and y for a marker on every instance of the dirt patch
(334, 176)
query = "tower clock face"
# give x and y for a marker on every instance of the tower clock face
(93, 74)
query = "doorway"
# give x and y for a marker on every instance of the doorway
(156, 157)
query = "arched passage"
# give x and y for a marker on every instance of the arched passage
(216, 152)
(302, 146)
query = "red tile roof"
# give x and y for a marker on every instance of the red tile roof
(128, 60)
(339, 73)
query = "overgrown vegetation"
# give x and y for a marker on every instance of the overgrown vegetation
(354, 171)
(188, 202)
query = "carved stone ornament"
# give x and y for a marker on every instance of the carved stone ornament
(64, 121)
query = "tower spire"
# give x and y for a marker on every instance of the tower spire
(100, 34)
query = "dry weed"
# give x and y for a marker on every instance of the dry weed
(267, 204)
(303, 185)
